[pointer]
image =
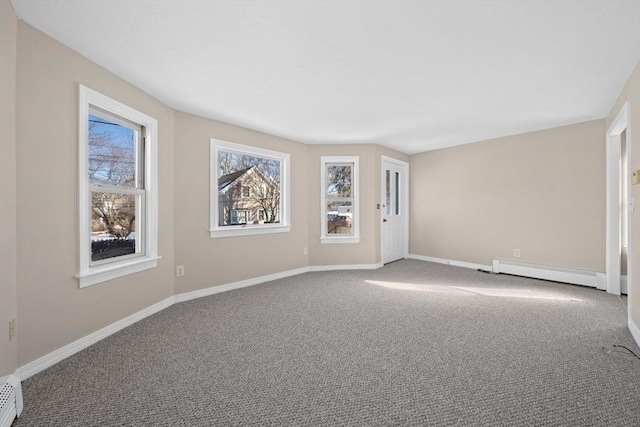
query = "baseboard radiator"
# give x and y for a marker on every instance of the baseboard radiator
(10, 400)
(557, 274)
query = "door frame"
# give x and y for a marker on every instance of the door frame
(404, 203)
(614, 151)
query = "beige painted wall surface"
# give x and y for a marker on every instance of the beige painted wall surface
(8, 289)
(210, 262)
(54, 311)
(541, 192)
(367, 251)
(342, 253)
(631, 93)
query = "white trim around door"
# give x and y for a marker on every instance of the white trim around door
(614, 199)
(621, 124)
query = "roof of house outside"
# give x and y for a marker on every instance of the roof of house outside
(226, 180)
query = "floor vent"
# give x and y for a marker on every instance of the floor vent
(10, 400)
(557, 274)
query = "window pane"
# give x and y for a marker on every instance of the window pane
(240, 217)
(387, 203)
(247, 184)
(397, 195)
(113, 221)
(340, 217)
(112, 152)
(338, 180)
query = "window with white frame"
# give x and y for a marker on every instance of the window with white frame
(118, 186)
(246, 191)
(339, 200)
(240, 217)
(249, 190)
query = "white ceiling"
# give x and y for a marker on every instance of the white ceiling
(409, 75)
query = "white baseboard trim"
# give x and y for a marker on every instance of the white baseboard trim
(268, 278)
(237, 285)
(345, 267)
(635, 331)
(548, 272)
(62, 353)
(463, 264)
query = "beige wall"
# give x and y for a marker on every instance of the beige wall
(363, 252)
(210, 262)
(8, 289)
(541, 192)
(53, 310)
(631, 93)
(367, 251)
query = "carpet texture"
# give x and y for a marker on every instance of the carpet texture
(411, 344)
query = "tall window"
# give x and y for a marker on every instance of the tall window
(118, 205)
(249, 190)
(339, 204)
(116, 182)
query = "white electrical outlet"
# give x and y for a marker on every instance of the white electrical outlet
(180, 271)
(305, 251)
(516, 253)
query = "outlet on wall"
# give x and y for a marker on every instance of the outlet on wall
(305, 251)
(12, 329)
(180, 270)
(516, 253)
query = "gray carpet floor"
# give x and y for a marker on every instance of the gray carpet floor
(410, 344)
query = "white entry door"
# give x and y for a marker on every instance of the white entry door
(393, 210)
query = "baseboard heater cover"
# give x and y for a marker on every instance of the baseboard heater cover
(10, 400)
(546, 272)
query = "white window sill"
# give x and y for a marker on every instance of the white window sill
(330, 240)
(248, 230)
(103, 273)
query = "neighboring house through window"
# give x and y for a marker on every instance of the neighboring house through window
(118, 178)
(250, 189)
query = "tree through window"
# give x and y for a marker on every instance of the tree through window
(116, 180)
(339, 201)
(117, 198)
(249, 187)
